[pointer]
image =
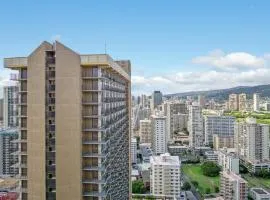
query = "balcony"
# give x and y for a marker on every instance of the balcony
(93, 194)
(93, 181)
(93, 155)
(92, 168)
(17, 62)
(93, 142)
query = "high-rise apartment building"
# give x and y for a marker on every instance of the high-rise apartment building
(145, 101)
(195, 126)
(252, 140)
(242, 99)
(180, 122)
(256, 102)
(165, 176)
(74, 124)
(170, 109)
(10, 108)
(201, 100)
(218, 125)
(233, 102)
(133, 150)
(228, 161)
(233, 187)
(159, 134)
(8, 151)
(1, 109)
(156, 99)
(145, 131)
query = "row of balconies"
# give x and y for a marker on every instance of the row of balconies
(114, 89)
(112, 77)
(109, 111)
(113, 99)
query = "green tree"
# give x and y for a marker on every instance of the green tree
(216, 189)
(138, 187)
(210, 168)
(243, 169)
(186, 186)
(207, 191)
(195, 183)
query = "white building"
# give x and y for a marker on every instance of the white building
(10, 104)
(165, 176)
(195, 126)
(252, 140)
(159, 134)
(256, 102)
(133, 151)
(145, 131)
(211, 156)
(233, 187)
(218, 125)
(259, 194)
(228, 161)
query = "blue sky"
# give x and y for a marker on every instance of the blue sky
(174, 46)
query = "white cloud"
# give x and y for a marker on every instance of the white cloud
(196, 81)
(231, 61)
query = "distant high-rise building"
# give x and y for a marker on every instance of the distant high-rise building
(267, 106)
(165, 176)
(144, 101)
(242, 99)
(228, 161)
(180, 122)
(256, 102)
(133, 150)
(8, 151)
(195, 126)
(156, 99)
(145, 131)
(218, 125)
(233, 187)
(201, 100)
(171, 108)
(10, 104)
(1, 109)
(252, 140)
(159, 134)
(233, 102)
(74, 124)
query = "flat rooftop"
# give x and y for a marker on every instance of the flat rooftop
(259, 191)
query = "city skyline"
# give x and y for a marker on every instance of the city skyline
(220, 44)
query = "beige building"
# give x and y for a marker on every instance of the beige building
(165, 176)
(220, 141)
(233, 102)
(233, 187)
(74, 121)
(145, 131)
(242, 100)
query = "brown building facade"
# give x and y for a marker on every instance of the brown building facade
(74, 119)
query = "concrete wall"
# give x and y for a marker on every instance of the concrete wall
(36, 123)
(68, 124)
